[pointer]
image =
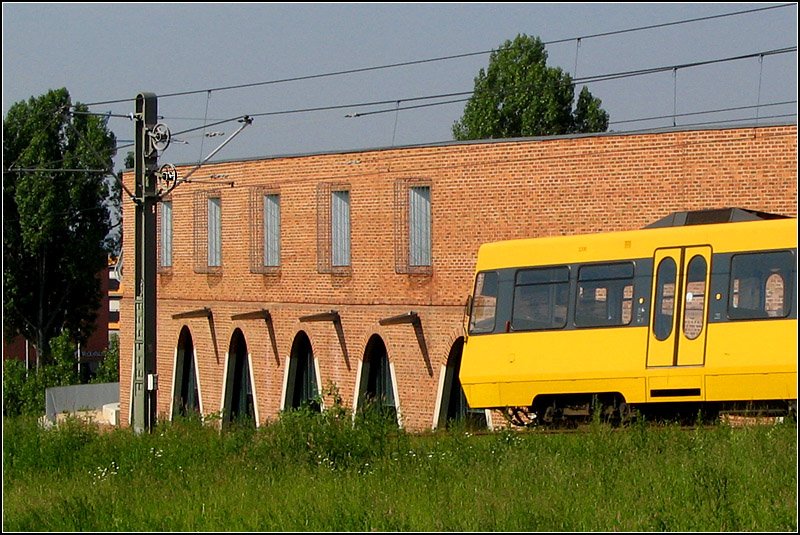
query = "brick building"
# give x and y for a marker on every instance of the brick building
(352, 268)
(106, 324)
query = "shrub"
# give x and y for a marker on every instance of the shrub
(24, 390)
(108, 370)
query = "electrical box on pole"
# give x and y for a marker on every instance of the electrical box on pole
(146, 200)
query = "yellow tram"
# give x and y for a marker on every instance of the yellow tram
(699, 308)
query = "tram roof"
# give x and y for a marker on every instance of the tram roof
(743, 230)
(707, 217)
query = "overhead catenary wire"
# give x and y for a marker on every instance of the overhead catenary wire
(110, 172)
(589, 79)
(53, 170)
(665, 68)
(205, 119)
(641, 119)
(715, 122)
(56, 114)
(614, 76)
(441, 58)
(603, 77)
(704, 112)
(76, 211)
(69, 213)
(404, 108)
(760, 75)
(397, 108)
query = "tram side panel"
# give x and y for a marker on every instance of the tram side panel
(514, 368)
(571, 329)
(751, 351)
(748, 350)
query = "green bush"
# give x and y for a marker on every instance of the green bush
(24, 390)
(331, 438)
(108, 370)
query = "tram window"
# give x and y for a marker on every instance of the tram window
(665, 298)
(605, 294)
(484, 303)
(540, 299)
(761, 285)
(695, 298)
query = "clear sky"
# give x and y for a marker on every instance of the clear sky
(112, 52)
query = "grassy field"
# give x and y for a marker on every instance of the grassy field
(310, 472)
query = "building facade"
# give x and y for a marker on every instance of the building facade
(114, 297)
(91, 353)
(292, 280)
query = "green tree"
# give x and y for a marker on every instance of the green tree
(115, 202)
(519, 95)
(24, 390)
(55, 222)
(108, 370)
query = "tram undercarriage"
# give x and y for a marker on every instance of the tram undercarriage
(577, 409)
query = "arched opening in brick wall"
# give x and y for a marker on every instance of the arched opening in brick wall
(454, 409)
(186, 393)
(376, 389)
(302, 389)
(238, 406)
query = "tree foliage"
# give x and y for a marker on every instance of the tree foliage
(115, 204)
(519, 95)
(108, 370)
(24, 390)
(56, 158)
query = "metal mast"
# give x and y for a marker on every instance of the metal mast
(146, 199)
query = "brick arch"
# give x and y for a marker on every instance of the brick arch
(252, 339)
(181, 329)
(238, 374)
(370, 340)
(382, 390)
(259, 340)
(168, 346)
(375, 329)
(186, 390)
(450, 403)
(176, 329)
(289, 382)
(313, 342)
(311, 338)
(231, 338)
(442, 374)
(454, 335)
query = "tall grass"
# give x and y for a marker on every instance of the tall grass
(321, 472)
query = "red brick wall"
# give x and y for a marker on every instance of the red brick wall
(91, 351)
(479, 192)
(15, 349)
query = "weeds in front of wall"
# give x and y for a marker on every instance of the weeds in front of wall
(331, 471)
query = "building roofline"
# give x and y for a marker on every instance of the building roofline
(665, 130)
